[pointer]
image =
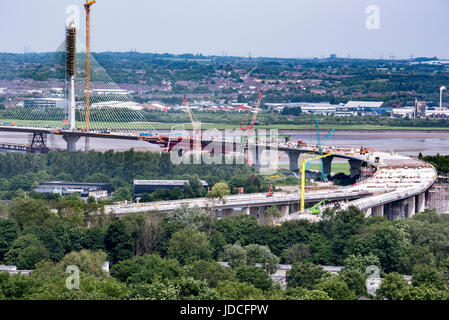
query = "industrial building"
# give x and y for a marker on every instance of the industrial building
(45, 103)
(150, 186)
(96, 190)
(352, 108)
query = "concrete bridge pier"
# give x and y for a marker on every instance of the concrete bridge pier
(255, 157)
(71, 142)
(379, 210)
(327, 165)
(293, 160)
(420, 202)
(355, 167)
(410, 207)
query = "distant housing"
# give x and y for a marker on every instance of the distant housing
(96, 190)
(150, 186)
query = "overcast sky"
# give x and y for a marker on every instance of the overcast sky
(274, 28)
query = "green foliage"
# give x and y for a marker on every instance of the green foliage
(88, 262)
(304, 294)
(118, 242)
(261, 254)
(9, 230)
(26, 251)
(337, 289)
(360, 263)
(209, 271)
(230, 290)
(391, 287)
(234, 254)
(255, 276)
(219, 191)
(305, 275)
(146, 269)
(355, 280)
(189, 245)
(30, 212)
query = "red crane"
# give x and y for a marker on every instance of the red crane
(256, 111)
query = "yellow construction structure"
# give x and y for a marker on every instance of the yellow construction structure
(87, 6)
(303, 176)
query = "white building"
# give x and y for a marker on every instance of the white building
(118, 105)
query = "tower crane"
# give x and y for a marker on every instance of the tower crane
(87, 6)
(246, 76)
(303, 175)
(256, 111)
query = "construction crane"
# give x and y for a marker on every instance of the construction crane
(303, 175)
(256, 111)
(87, 6)
(320, 146)
(246, 76)
(186, 104)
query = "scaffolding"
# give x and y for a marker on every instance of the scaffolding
(438, 197)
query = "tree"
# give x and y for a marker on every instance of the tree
(146, 269)
(122, 194)
(391, 287)
(336, 288)
(189, 245)
(234, 254)
(29, 212)
(210, 271)
(360, 263)
(9, 231)
(255, 276)
(118, 242)
(296, 253)
(355, 280)
(230, 290)
(26, 251)
(219, 191)
(304, 294)
(305, 275)
(261, 254)
(272, 213)
(423, 293)
(89, 262)
(424, 275)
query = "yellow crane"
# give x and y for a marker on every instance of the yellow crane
(303, 176)
(87, 6)
(186, 104)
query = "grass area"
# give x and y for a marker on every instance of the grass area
(337, 167)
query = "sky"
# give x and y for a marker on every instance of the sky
(268, 28)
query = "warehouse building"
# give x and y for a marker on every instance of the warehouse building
(150, 186)
(45, 103)
(97, 190)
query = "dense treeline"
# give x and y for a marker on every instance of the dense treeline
(441, 163)
(174, 256)
(24, 171)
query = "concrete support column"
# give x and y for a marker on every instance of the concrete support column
(284, 210)
(255, 157)
(71, 142)
(293, 160)
(421, 199)
(411, 207)
(327, 165)
(355, 167)
(246, 210)
(368, 212)
(379, 210)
